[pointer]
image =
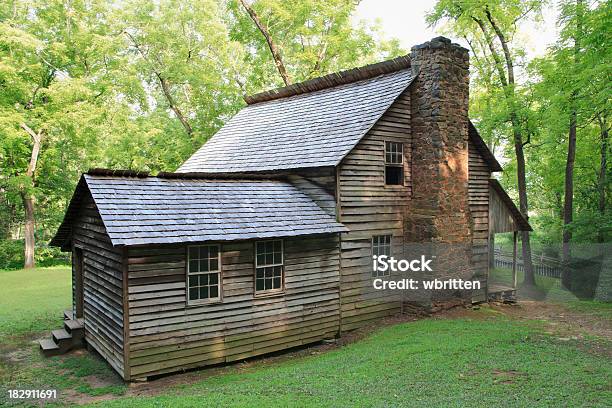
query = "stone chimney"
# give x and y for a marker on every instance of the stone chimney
(439, 210)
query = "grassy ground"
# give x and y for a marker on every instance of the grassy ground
(464, 358)
(33, 300)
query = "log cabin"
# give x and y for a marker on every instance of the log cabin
(263, 239)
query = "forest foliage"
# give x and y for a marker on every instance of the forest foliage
(141, 85)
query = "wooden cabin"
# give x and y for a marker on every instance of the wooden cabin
(263, 239)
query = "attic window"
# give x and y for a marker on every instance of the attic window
(268, 266)
(394, 164)
(203, 273)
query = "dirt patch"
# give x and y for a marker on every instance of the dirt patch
(560, 321)
(506, 376)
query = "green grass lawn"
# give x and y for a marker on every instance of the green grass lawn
(429, 363)
(33, 300)
(482, 358)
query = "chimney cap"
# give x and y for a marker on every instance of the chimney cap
(439, 42)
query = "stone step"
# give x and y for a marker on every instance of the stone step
(68, 315)
(49, 347)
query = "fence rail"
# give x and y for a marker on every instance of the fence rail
(542, 265)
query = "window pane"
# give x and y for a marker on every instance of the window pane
(259, 284)
(193, 253)
(261, 259)
(214, 291)
(268, 283)
(204, 265)
(193, 281)
(193, 266)
(193, 294)
(204, 292)
(269, 258)
(277, 283)
(203, 252)
(213, 251)
(214, 264)
(277, 246)
(269, 246)
(214, 279)
(259, 273)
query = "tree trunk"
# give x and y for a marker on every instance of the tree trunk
(28, 198)
(601, 177)
(278, 60)
(28, 207)
(529, 278)
(568, 203)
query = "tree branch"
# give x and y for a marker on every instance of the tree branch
(504, 45)
(278, 60)
(37, 139)
(165, 87)
(497, 60)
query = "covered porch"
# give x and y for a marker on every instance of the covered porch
(504, 218)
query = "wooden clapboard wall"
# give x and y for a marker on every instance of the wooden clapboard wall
(501, 218)
(166, 335)
(368, 208)
(478, 183)
(103, 286)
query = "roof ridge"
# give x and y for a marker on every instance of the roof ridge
(247, 176)
(332, 80)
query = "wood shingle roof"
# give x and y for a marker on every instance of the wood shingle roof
(313, 129)
(154, 210)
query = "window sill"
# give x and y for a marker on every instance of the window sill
(196, 303)
(269, 294)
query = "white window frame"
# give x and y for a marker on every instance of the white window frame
(264, 292)
(218, 271)
(399, 164)
(375, 243)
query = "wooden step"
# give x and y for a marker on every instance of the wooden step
(73, 326)
(68, 315)
(60, 336)
(49, 347)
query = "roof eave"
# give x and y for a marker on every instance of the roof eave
(483, 149)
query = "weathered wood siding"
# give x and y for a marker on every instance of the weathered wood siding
(103, 286)
(168, 335)
(368, 208)
(478, 181)
(500, 217)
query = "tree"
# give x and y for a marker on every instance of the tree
(296, 41)
(51, 107)
(489, 27)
